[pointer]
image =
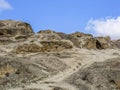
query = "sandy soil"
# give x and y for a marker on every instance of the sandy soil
(80, 59)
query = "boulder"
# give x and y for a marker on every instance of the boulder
(91, 43)
(105, 42)
(12, 28)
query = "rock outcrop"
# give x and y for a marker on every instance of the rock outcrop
(82, 40)
(79, 34)
(98, 76)
(46, 31)
(11, 27)
(91, 43)
(50, 60)
(116, 43)
(106, 42)
(44, 46)
(5, 41)
(16, 71)
(48, 35)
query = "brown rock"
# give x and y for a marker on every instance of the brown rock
(5, 41)
(82, 40)
(91, 43)
(48, 35)
(56, 45)
(105, 42)
(85, 41)
(47, 31)
(59, 88)
(5, 70)
(11, 27)
(44, 46)
(79, 35)
(22, 37)
(76, 38)
(28, 48)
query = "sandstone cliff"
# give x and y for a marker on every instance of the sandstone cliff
(50, 60)
(10, 27)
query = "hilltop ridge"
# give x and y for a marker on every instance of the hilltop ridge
(50, 60)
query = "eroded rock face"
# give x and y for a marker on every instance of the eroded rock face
(98, 76)
(82, 40)
(46, 31)
(106, 42)
(44, 46)
(13, 73)
(28, 48)
(116, 43)
(91, 43)
(56, 59)
(79, 34)
(85, 41)
(22, 32)
(56, 45)
(16, 72)
(48, 35)
(11, 27)
(5, 41)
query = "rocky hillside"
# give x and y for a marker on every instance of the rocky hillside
(50, 60)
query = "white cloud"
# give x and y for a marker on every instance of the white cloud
(4, 5)
(105, 27)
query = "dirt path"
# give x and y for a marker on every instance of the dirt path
(86, 60)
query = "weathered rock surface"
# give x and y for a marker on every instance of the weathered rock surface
(79, 34)
(91, 43)
(46, 31)
(11, 27)
(51, 60)
(82, 40)
(48, 35)
(106, 42)
(4, 41)
(44, 46)
(16, 71)
(116, 43)
(98, 76)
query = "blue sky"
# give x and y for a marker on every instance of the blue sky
(64, 15)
